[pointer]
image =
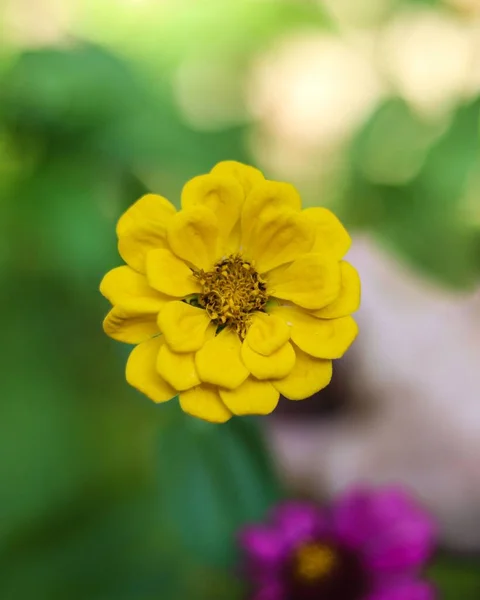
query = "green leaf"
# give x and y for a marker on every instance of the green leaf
(55, 91)
(409, 187)
(213, 479)
(457, 578)
(166, 33)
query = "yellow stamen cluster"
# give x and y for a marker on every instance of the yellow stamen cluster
(231, 292)
(314, 561)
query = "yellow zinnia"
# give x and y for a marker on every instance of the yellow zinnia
(235, 299)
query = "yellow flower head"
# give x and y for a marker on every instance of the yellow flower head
(235, 299)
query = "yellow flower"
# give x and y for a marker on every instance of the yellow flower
(235, 299)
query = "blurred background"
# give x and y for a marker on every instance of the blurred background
(370, 107)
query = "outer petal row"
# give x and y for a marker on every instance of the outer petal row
(161, 373)
(274, 230)
(308, 376)
(321, 338)
(135, 306)
(201, 401)
(311, 281)
(142, 228)
(348, 300)
(205, 403)
(126, 287)
(142, 374)
(331, 238)
(222, 194)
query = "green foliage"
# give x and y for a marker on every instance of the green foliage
(164, 34)
(456, 577)
(229, 478)
(409, 186)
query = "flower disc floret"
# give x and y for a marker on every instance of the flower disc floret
(231, 292)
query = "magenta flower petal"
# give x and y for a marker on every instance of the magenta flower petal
(410, 590)
(298, 521)
(272, 591)
(262, 545)
(386, 526)
(367, 546)
(407, 545)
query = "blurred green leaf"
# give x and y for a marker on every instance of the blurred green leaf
(165, 33)
(67, 91)
(409, 184)
(230, 479)
(457, 578)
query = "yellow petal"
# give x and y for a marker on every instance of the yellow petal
(221, 193)
(142, 374)
(275, 366)
(322, 338)
(247, 176)
(204, 403)
(143, 227)
(193, 236)
(278, 237)
(309, 376)
(130, 326)
(170, 275)
(311, 281)
(265, 199)
(125, 286)
(183, 325)
(331, 236)
(219, 362)
(178, 369)
(231, 245)
(253, 397)
(267, 333)
(349, 299)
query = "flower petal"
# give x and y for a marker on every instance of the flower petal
(267, 333)
(193, 235)
(142, 374)
(246, 175)
(392, 533)
(298, 521)
(265, 199)
(308, 376)
(349, 299)
(331, 237)
(321, 338)
(405, 590)
(311, 281)
(263, 546)
(278, 237)
(221, 193)
(219, 362)
(204, 402)
(125, 286)
(169, 274)
(270, 590)
(275, 366)
(252, 397)
(183, 325)
(143, 227)
(130, 326)
(177, 368)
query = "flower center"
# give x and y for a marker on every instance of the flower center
(231, 292)
(314, 561)
(320, 570)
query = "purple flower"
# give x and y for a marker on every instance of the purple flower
(369, 545)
